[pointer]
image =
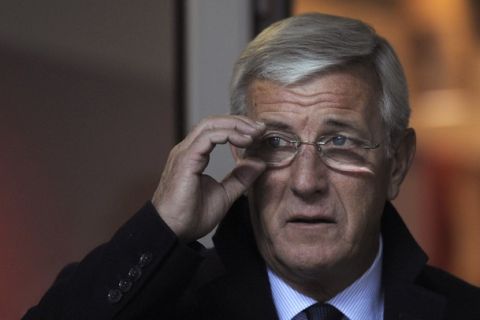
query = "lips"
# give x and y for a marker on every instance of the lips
(301, 219)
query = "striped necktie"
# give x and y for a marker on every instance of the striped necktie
(323, 311)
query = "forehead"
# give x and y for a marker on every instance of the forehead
(348, 96)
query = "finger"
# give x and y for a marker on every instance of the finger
(231, 121)
(241, 124)
(194, 158)
(205, 143)
(249, 121)
(241, 178)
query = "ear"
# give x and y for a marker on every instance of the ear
(402, 159)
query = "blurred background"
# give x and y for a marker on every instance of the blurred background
(93, 94)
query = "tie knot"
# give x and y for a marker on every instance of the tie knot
(323, 311)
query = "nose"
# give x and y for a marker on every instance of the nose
(308, 176)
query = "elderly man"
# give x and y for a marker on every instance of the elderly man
(319, 131)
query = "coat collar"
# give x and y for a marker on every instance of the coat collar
(245, 286)
(403, 262)
(246, 283)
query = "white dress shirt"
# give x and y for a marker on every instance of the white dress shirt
(362, 300)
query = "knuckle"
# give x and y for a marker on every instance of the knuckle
(208, 122)
(176, 150)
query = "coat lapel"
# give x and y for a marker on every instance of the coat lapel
(403, 261)
(245, 286)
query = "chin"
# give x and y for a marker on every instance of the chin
(307, 261)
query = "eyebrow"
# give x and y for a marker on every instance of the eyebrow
(331, 122)
(275, 125)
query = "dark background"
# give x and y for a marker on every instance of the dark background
(87, 116)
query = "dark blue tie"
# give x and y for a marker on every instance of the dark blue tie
(323, 311)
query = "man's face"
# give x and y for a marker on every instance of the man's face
(312, 221)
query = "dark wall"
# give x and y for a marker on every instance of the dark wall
(87, 116)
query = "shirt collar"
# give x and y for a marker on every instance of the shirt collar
(362, 299)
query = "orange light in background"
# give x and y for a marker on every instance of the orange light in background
(436, 43)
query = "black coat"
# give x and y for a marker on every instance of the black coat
(143, 272)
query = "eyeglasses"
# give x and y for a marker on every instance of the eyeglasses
(278, 149)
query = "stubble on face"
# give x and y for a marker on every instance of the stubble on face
(316, 227)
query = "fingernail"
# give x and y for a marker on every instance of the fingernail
(260, 124)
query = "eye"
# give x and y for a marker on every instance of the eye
(339, 140)
(276, 142)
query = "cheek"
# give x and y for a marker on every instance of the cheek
(362, 201)
(267, 195)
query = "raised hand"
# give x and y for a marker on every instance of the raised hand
(192, 203)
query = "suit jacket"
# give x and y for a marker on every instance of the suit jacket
(143, 272)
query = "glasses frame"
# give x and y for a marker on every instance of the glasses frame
(297, 143)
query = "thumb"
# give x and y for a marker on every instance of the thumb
(241, 178)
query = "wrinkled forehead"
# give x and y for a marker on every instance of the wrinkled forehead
(338, 79)
(347, 97)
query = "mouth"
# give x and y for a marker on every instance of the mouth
(311, 220)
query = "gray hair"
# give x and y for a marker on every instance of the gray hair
(300, 47)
